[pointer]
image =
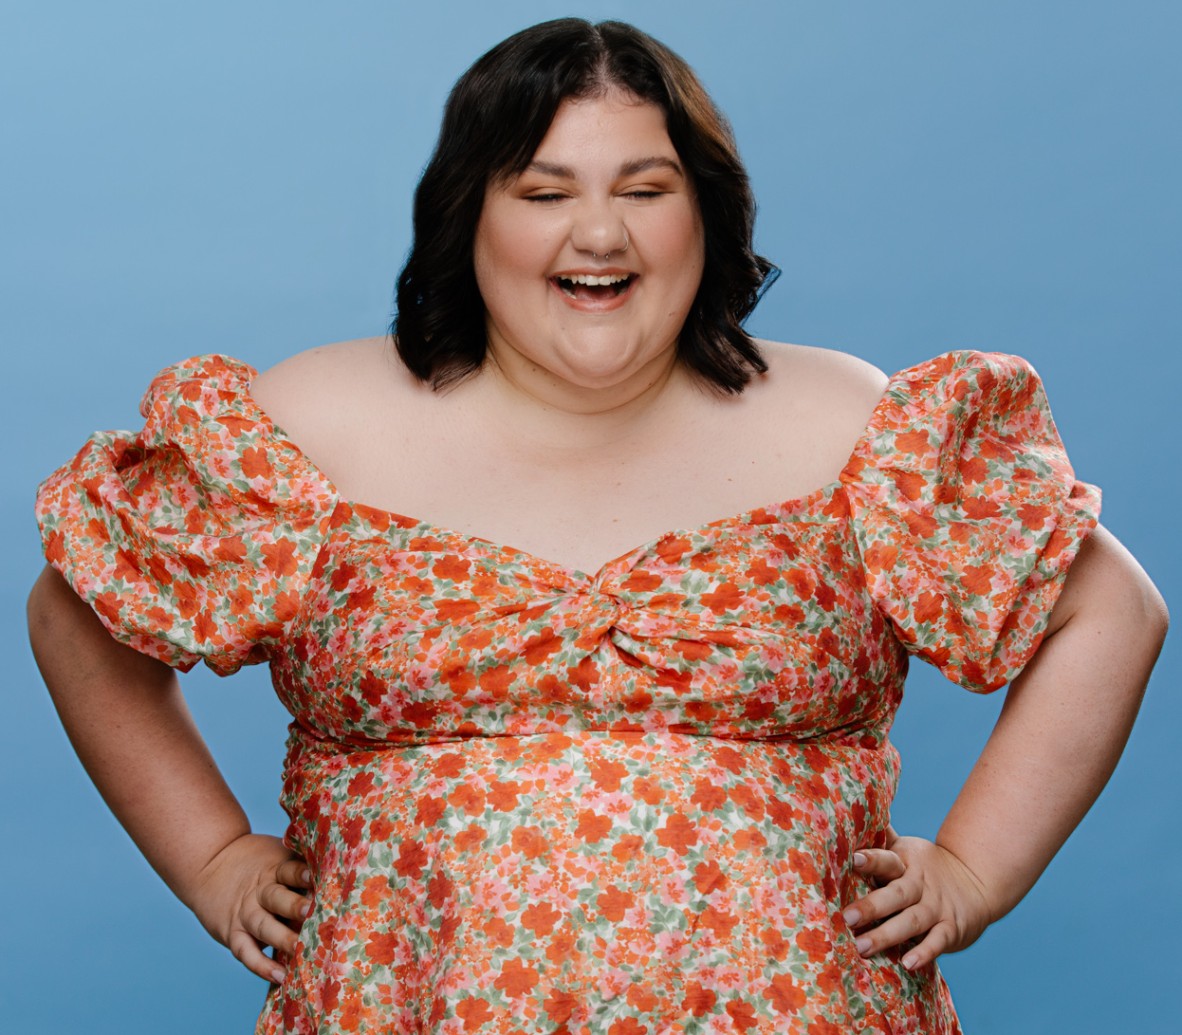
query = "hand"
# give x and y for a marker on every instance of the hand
(248, 897)
(926, 892)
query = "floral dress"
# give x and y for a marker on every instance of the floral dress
(625, 801)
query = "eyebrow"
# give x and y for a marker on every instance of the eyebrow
(637, 165)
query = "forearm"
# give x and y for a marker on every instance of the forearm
(129, 724)
(1062, 729)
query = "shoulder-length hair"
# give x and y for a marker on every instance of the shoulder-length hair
(495, 119)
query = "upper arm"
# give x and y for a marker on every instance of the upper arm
(1105, 584)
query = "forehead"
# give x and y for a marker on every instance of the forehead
(615, 127)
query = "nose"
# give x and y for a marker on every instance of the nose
(598, 229)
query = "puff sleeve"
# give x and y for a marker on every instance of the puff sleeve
(195, 538)
(967, 513)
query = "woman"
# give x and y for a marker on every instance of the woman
(577, 783)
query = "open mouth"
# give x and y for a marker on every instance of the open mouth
(591, 288)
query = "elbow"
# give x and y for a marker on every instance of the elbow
(1157, 615)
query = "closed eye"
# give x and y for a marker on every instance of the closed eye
(545, 197)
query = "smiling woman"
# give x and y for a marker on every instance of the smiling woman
(526, 83)
(592, 613)
(588, 261)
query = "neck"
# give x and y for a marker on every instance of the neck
(538, 407)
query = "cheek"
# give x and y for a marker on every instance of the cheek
(509, 249)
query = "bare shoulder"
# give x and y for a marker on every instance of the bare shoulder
(316, 396)
(843, 388)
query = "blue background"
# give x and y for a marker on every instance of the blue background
(237, 177)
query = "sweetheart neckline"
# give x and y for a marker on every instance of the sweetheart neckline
(573, 574)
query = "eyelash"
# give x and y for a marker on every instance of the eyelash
(644, 195)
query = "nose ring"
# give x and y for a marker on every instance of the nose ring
(607, 255)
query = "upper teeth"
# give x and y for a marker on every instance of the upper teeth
(590, 280)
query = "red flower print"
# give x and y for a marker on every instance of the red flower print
(707, 795)
(451, 567)
(881, 556)
(641, 998)
(412, 857)
(592, 827)
(708, 876)
(627, 1026)
(456, 611)
(980, 508)
(560, 1006)
(498, 932)
(376, 891)
(541, 918)
(537, 650)
(608, 774)
(977, 578)
(916, 442)
(813, 943)
(728, 597)
(928, 607)
(643, 582)
(496, 680)
(698, 1000)
(502, 796)
(280, 557)
(255, 464)
(742, 1016)
(361, 784)
(530, 842)
(614, 903)
(911, 484)
(627, 847)
(974, 469)
(474, 1012)
(785, 994)
(719, 921)
(382, 948)
(471, 839)
(678, 833)
(516, 978)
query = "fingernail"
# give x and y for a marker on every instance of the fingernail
(306, 877)
(305, 909)
(909, 961)
(852, 917)
(862, 945)
(859, 860)
(277, 975)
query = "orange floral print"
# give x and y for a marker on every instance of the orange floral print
(623, 801)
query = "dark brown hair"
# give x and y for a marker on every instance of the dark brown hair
(495, 119)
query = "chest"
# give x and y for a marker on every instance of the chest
(580, 508)
(749, 628)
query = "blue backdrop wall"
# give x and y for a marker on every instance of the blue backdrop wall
(237, 177)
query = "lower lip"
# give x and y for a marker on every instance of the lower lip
(596, 305)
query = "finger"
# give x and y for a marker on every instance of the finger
(938, 941)
(914, 922)
(879, 864)
(883, 902)
(246, 950)
(268, 930)
(294, 873)
(282, 901)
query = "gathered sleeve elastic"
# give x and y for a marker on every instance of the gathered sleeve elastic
(967, 513)
(195, 538)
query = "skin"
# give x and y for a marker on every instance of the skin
(575, 443)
